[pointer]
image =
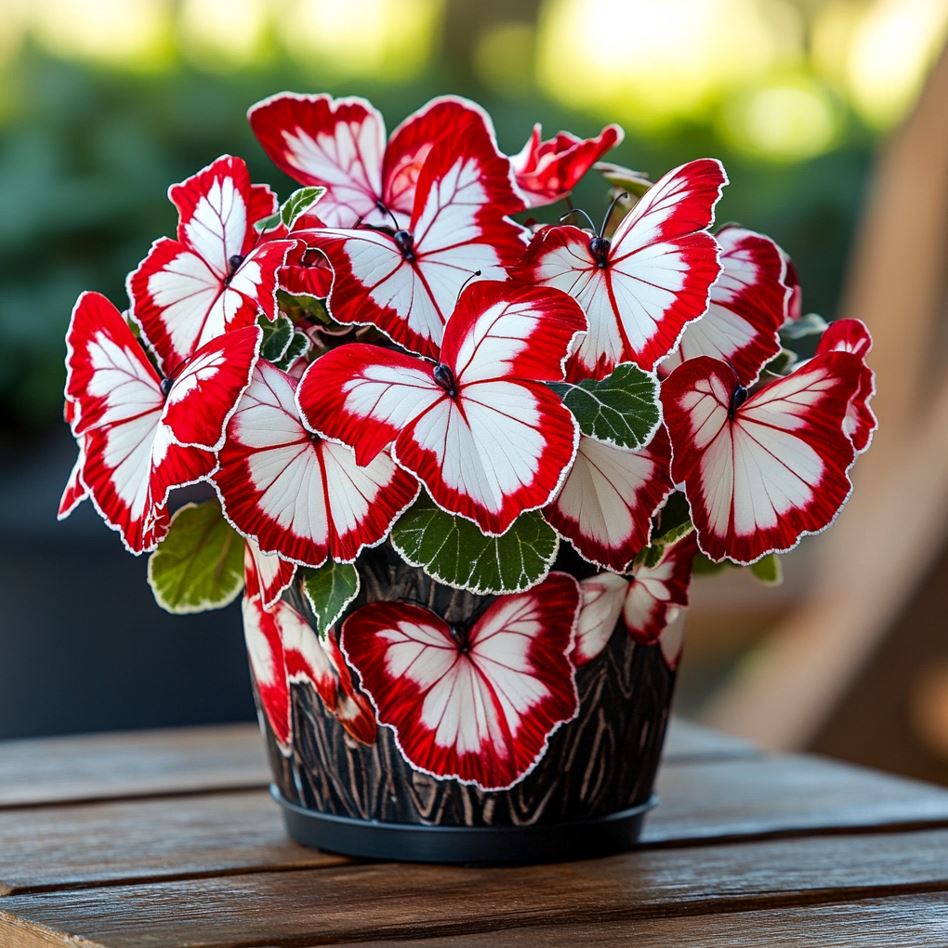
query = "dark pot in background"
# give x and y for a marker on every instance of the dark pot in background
(586, 796)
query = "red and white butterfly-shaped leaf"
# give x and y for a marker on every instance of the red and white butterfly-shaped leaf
(748, 307)
(641, 288)
(795, 291)
(339, 144)
(606, 504)
(657, 594)
(206, 390)
(852, 335)
(479, 428)
(123, 413)
(263, 635)
(649, 601)
(217, 275)
(672, 644)
(547, 171)
(407, 282)
(602, 599)
(352, 709)
(306, 661)
(476, 704)
(305, 273)
(760, 473)
(444, 117)
(298, 495)
(283, 651)
(266, 575)
(75, 491)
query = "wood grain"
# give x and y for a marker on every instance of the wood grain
(105, 766)
(382, 901)
(189, 837)
(144, 840)
(201, 760)
(687, 742)
(901, 922)
(787, 794)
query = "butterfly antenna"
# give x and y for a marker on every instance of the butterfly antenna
(579, 210)
(386, 210)
(473, 276)
(611, 208)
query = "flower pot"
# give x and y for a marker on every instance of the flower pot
(586, 794)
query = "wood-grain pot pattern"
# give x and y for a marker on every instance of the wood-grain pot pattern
(603, 761)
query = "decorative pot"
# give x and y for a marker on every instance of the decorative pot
(344, 784)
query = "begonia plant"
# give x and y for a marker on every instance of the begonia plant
(568, 419)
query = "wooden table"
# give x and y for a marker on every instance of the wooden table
(169, 838)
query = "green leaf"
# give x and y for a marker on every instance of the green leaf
(702, 566)
(625, 179)
(768, 570)
(653, 553)
(674, 523)
(454, 551)
(298, 346)
(298, 203)
(305, 307)
(268, 223)
(329, 590)
(810, 325)
(293, 208)
(200, 563)
(674, 512)
(781, 363)
(277, 336)
(622, 409)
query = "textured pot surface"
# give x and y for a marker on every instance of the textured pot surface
(602, 762)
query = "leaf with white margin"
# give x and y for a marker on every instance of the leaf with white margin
(200, 563)
(299, 203)
(810, 325)
(622, 409)
(298, 346)
(329, 591)
(454, 551)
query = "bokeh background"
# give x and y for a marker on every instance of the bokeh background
(832, 119)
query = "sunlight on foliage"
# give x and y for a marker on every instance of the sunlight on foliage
(224, 34)
(652, 64)
(785, 121)
(135, 34)
(378, 38)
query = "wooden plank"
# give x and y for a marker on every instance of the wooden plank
(784, 795)
(142, 840)
(382, 901)
(147, 840)
(188, 760)
(133, 763)
(903, 922)
(688, 742)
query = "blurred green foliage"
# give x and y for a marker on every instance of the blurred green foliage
(87, 156)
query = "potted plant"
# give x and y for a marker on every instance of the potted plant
(461, 464)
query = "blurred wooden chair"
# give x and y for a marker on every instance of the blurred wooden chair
(864, 572)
